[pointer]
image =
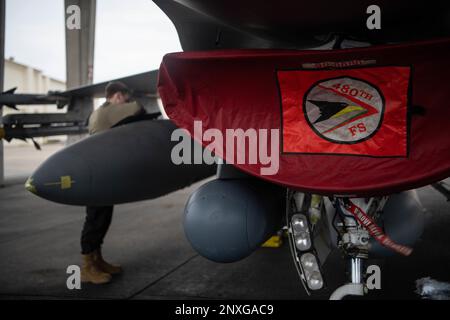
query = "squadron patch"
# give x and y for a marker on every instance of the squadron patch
(360, 111)
(344, 110)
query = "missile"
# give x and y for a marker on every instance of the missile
(8, 133)
(226, 220)
(128, 163)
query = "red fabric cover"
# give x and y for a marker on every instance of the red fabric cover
(261, 88)
(384, 136)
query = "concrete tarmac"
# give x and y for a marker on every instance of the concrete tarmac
(40, 239)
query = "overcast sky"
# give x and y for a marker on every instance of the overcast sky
(131, 36)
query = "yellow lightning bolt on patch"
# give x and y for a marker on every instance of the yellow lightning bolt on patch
(347, 110)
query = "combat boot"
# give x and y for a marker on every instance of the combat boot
(90, 272)
(105, 266)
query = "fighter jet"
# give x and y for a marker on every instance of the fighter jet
(354, 195)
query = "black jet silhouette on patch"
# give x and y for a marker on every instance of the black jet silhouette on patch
(328, 109)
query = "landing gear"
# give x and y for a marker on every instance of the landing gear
(353, 224)
(302, 215)
(353, 241)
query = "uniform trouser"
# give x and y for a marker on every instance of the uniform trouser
(95, 227)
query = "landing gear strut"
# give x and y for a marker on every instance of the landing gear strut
(353, 220)
(354, 242)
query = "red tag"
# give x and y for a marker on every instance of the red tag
(374, 230)
(361, 111)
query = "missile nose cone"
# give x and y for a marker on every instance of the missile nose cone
(62, 178)
(30, 186)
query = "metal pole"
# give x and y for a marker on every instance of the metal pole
(80, 55)
(80, 45)
(356, 270)
(2, 74)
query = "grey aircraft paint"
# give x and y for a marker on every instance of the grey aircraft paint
(131, 162)
(226, 220)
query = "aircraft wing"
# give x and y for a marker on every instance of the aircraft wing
(142, 84)
(31, 125)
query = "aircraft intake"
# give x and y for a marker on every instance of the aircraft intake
(226, 220)
(131, 162)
